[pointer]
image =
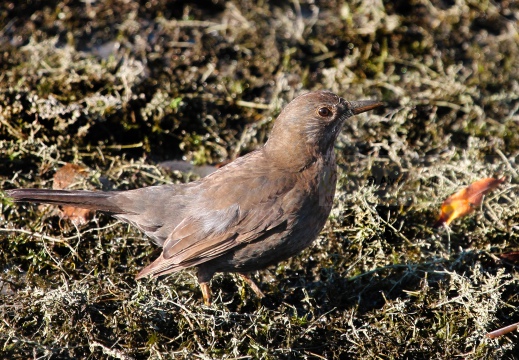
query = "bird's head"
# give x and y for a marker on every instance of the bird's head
(309, 125)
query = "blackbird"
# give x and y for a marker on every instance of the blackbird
(256, 211)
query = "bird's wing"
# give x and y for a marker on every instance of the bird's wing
(228, 213)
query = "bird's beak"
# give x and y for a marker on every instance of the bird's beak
(358, 107)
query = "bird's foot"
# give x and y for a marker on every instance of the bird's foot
(206, 293)
(253, 286)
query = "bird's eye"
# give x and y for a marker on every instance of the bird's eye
(324, 112)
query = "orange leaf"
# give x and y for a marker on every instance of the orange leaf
(466, 200)
(65, 177)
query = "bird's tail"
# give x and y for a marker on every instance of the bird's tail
(92, 200)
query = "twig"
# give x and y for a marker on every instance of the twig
(504, 330)
(44, 237)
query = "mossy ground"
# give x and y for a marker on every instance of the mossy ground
(119, 86)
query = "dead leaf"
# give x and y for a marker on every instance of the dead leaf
(466, 200)
(64, 177)
(67, 175)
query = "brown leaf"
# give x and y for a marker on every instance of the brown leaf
(64, 177)
(67, 175)
(466, 200)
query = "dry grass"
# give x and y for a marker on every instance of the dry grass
(119, 87)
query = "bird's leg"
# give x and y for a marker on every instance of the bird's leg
(206, 292)
(204, 278)
(252, 285)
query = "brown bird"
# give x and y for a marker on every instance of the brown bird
(256, 211)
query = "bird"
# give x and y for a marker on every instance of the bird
(256, 211)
